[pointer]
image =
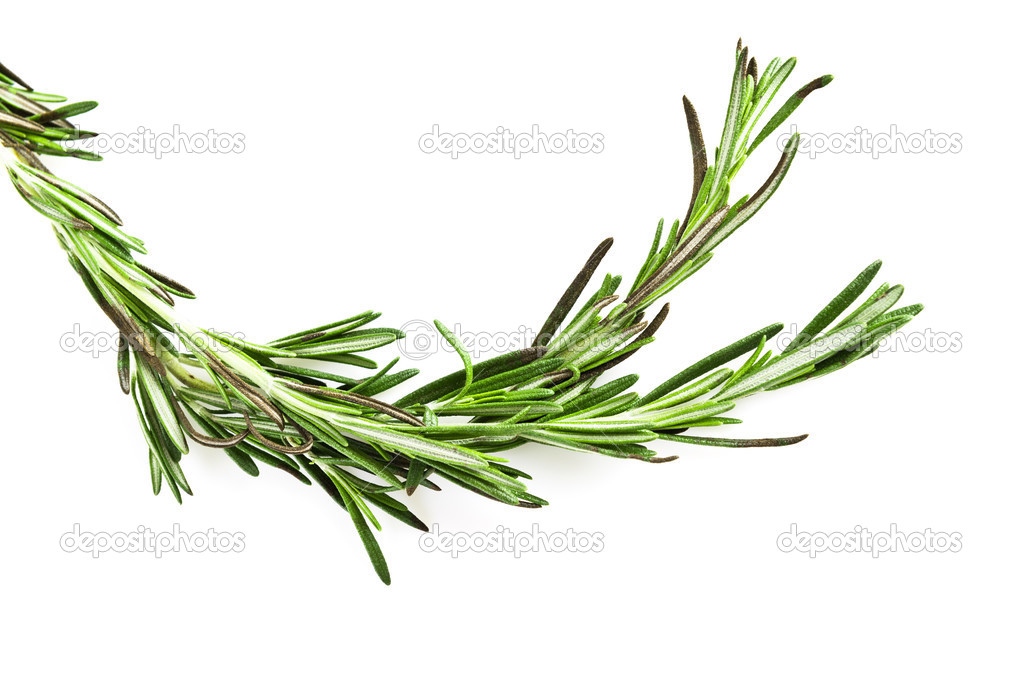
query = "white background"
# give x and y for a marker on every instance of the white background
(333, 209)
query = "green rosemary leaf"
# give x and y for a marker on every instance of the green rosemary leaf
(646, 337)
(74, 191)
(368, 382)
(714, 360)
(691, 391)
(699, 151)
(648, 264)
(246, 464)
(614, 450)
(480, 486)
(429, 417)
(157, 449)
(154, 448)
(347, 359)
(759, 198)
(370, 466)
(155, 474)
(416, 474)
(342, 347)
(733, 443)
(600, 394)
(123, 364)
(516, 376)
(9, 121)
(561, 441)
(530, 408)
(51, 210)
(803, 360)
(790, 106)
(571, 295)
(670, 243)
(237, 453)
(767, 77)
(835, 307)
(875, 307)
(388, 382)
(609, 406)
(492, 476)
(190, 343)
(300, 372)
(443, 386)
(747, 98)
(680, 259)
(433, 451)
(516, 395)
(339, 326)
(353, 498)
(728, 135)
(600, 426)
(713, 422)
(250, 347)
(456, 343)
(683, 274)
(477, 429)
(746, 367)
(11, 77)
(579, 327)
(396, 509)
(153, 388)
(636, 437)
(86, 213)
(603, 347)
(369, 541)
(65, 112)
(770, 83)
(911, 311)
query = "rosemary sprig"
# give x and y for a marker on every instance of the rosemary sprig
(254, 402)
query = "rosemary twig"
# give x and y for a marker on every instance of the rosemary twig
(189, 382)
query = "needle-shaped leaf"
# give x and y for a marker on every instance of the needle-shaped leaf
(785, 367)
(734, 443)
(714, 360)
(493, 366)
(790, 106)
(369, 541)
(65, 112)
(456, 343)
(835, 307)
(571, 295)
(123, 364)
(757, 201)
(531, 408)
(343, 346)
(728, 135)
(161, 400)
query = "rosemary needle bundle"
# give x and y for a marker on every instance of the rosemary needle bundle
(253, 401)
